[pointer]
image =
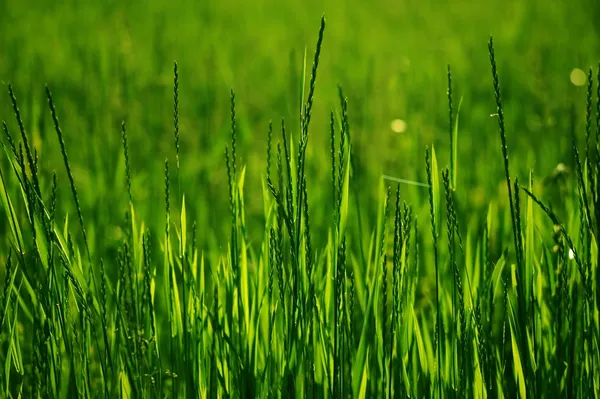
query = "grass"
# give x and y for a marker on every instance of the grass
(301, 272)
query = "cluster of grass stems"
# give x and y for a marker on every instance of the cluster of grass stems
(293, 317)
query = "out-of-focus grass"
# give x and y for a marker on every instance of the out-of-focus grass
(110, 61)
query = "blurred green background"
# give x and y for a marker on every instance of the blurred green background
(108, 61)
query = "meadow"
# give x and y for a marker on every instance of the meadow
(325, 199)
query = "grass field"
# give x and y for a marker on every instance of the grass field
(246, 200)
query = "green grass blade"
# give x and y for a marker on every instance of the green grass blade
(514, 343)
(435, 183)
(455, 145)
(345, 198)
(183, 245)
(16, 236)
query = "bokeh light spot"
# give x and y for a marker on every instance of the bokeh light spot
(578, 77)
(398, 126)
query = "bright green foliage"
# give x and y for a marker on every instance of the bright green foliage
(311, 293)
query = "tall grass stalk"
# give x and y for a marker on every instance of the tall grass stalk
(434, 210)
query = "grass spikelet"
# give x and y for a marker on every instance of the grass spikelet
(30, 158)
(339, 320)
(501, 128)
(25, 182)
(590, 168)
(398, 242)
(276, 245)
(304, 141)
(518, 223)
(596, 169)
(272, 267)
(416, 257)
(127, 165)
(451, 126)
(313, 79)
(233, 137)
(342, 152)
(9, 138)
(289, 194)
(580, 177)
(269, 150)
(588, 114)
(176, 112)
(598, 107)
(36, 160)
(167, 195)
(229, 179)
(345, 120)
(334, 186)
(280, 170)
(384, 221)
(308, 243)
(68, 168)
(282, 216)
(383, 257)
